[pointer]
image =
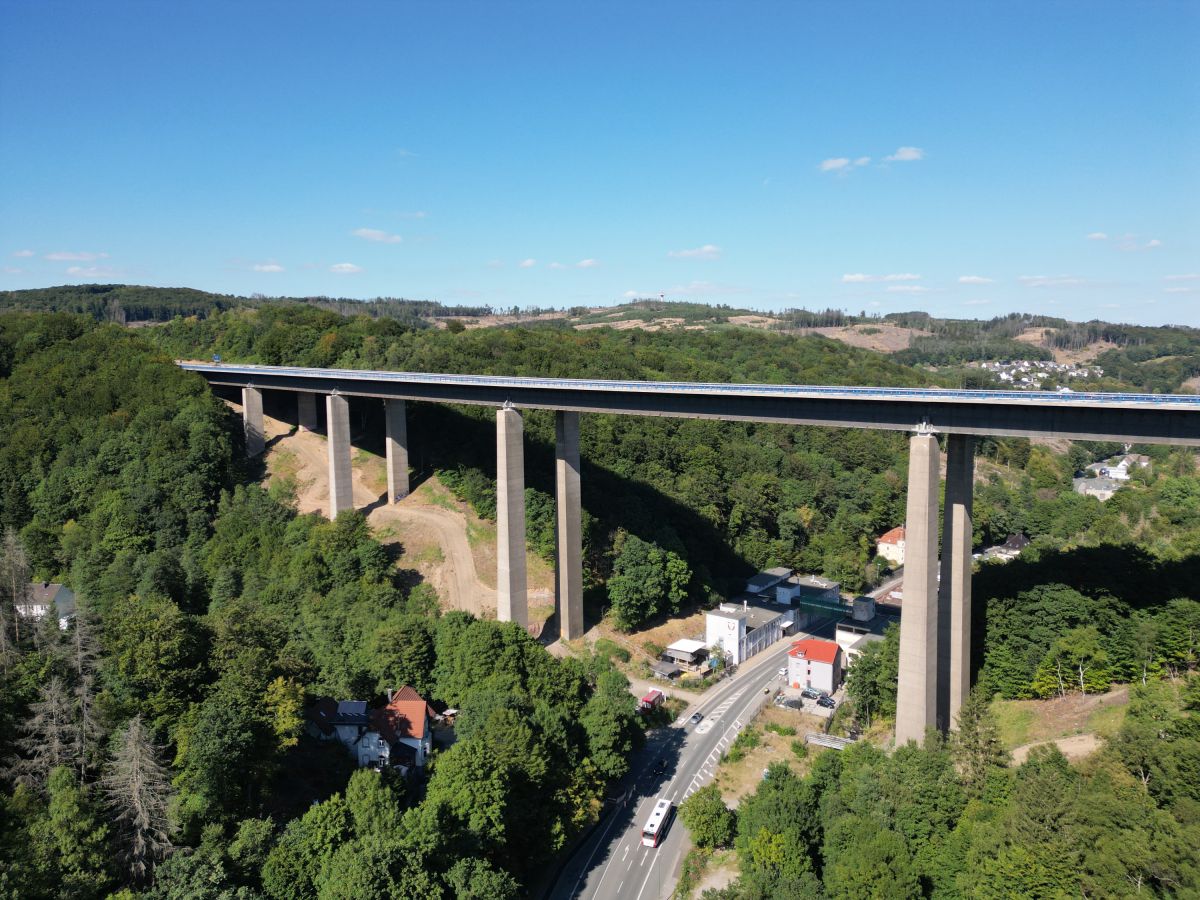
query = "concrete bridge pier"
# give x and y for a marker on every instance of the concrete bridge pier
(568, 556)
(396, 447)
(512, 602)
(306, 411)
(954, 591)
(341, 485)
(252, 421)
(916, 700)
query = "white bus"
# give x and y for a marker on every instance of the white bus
(656, 825)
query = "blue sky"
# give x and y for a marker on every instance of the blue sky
(970, 159)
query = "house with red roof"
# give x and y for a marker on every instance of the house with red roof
(891, 546)
(400, 733)
(815, 663)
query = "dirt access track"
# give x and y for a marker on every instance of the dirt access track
(429, 532)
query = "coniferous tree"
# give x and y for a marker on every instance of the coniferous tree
(46, 736)
(138, 791)
(14, 570)
(976, 744)
(83, 648)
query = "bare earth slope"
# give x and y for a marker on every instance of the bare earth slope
(435, 535)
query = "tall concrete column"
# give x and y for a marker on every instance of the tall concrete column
(341, 490)
(954, 590)
(568, 557)
(511, 596)
(306, 411)
(252, 421)
(916, 700)
(396, 446)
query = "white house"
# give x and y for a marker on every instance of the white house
(891, 546)
(41, 596)
(398, 734)
(815, 663)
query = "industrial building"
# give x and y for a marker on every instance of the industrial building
(746, 626)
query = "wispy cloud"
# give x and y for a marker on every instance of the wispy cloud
(527, 263)
(708, 251)
(71, 256)
(1051, 280)
(907, 289)
(843, 164)
(267, 267)
(587, 264)
(22, 254)
(973, 279)
(405, 153)
(495, 264)
(13, 270)
(1180, 289)
(906, 154)
(345, 269)
(375, 234)
(1097, 236)
(862, 277)
(555, 265)
(92, 272)
(707, 287)
(1190, 276)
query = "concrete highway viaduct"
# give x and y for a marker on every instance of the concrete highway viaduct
(935, 630)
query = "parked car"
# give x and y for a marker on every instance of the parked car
(696, 717)
(827, 702)
(811, 693)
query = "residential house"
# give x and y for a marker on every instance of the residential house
(41, 596)
(815, 663)
(397, 734)
(891, 546)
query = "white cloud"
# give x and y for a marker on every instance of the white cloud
(906, 154)
(267, 267)
(91, 272)
(22, 254)
(1097, 236)
(973, 279)
(706, 287)
(527, 263)
(13, 270)
(556, 265)
(836, 164)
(374, 234)
(862, 277)
(631, 295)
(68, 256)
(345, 269)
(906, 289)
(708, 251)
(1050, 280)
(1190, 276)
(1180, 289)
(587, 264)
(1155, 242)
(862, 161)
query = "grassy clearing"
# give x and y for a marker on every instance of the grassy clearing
(1107, 720)
(1014, 718)
(738, 778)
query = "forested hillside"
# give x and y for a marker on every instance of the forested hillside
(157, 743)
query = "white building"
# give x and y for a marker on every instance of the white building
(41, 596)
(815, 663)
(743, 628)
(891, 546)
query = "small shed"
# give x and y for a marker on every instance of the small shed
(687, 653)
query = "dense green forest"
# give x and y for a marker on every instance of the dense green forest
(955, 820)
(157, 744)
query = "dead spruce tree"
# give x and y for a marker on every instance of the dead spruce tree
(47, 736)
(138, 792)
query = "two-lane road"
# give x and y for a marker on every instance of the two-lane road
(613, 864)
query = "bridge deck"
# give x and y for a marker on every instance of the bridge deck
(1147, 418)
